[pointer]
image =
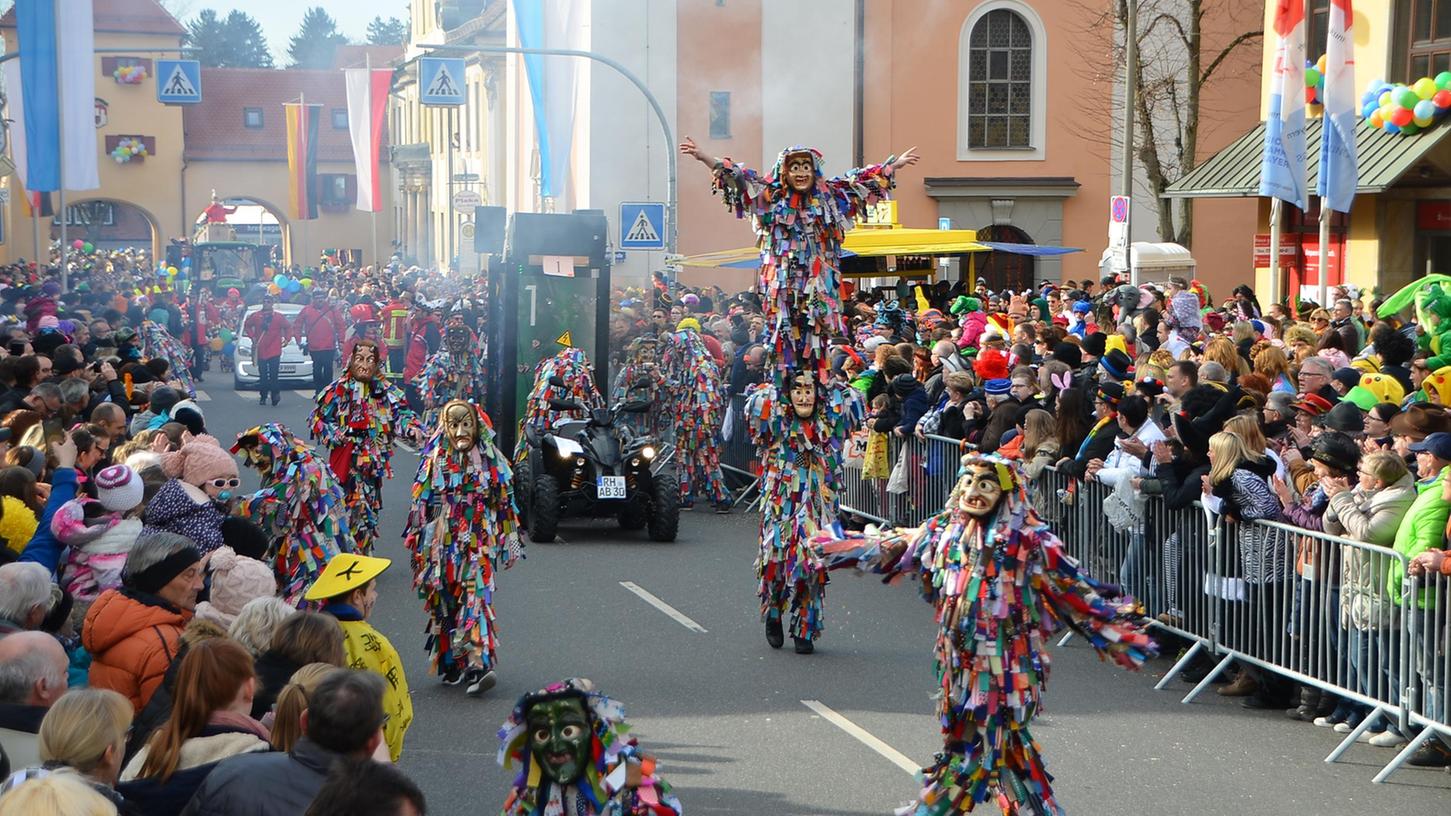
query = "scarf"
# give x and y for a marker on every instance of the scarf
(1099, 426)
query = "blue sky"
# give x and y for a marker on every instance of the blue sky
(280, 19)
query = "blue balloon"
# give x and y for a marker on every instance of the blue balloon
(229, 349)
(293, 286)
(1425, 109)
(1391, 127)
(279, 279)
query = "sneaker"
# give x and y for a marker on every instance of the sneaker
(1328, 721)
(722, 509)
(803, 645)
(774, 636)
(1351, 723)
(1243, 686)
(1388, 739)
(480, 681)
(452, 676)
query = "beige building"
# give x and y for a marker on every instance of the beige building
(440, 151)
(233, 143)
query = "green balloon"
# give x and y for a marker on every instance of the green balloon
(1443, 80)
(1410, 129)
(226, 335)
(1312, 77)
(1408, 98)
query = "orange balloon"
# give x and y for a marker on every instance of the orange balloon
(1375, 119)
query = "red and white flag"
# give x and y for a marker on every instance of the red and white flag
(367, 104)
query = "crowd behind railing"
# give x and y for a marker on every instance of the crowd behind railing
(1343, 618)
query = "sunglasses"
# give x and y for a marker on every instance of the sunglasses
(225, 482)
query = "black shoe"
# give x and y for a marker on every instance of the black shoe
(1434, 754)
(774, 635)
(1259, 701)
(803, 646)
(452, 676)
(276, 398)
(262, 400)
(479, 681)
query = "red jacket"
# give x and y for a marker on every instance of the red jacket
(321, 328)
(424, 337)
(206, 316)
(268, 339)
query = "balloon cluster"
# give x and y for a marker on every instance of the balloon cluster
(83, 246)
(225, 342)
(129, 74)
(1407, 109)
(128, 148)
(282, 283)
(1315, 81)
(175, 277)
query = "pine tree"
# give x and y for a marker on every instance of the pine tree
(248, 43)
(391, 31)
(207, 34)
(316, 42)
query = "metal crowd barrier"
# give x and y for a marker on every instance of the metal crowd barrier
(922, 474)
(1428, 642)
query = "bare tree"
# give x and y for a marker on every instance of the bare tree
(1176, 62)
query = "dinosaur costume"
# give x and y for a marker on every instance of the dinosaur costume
(462, 525)
(300, 505)
(1002, 586)
(576, 759)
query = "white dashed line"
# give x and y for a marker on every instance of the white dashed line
(863, 736)
(678, 616)
(202, 396)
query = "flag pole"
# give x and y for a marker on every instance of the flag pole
(1324, 251)
(65, 273)
(35, 228)
(1275, 208)
(373, 213)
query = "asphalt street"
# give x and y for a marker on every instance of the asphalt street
(672, 631)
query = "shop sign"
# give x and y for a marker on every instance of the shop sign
(1433, 215)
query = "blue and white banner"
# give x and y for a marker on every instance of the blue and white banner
(53, 96)
(1338, 172)
(1282, 170)
(554, 82)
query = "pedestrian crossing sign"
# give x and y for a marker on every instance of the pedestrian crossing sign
(642, 225)
(178, 82)
(441, 81)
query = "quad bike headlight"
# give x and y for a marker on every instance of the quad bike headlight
(563, 454)
(647, 452)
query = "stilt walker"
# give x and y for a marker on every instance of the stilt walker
(358, 418)
(1002, 586)
(300, 506)
(462, 526)
(799, 417)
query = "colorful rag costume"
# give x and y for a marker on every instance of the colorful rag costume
(616, 780)
(157, 342)
(696, 397)
(800, 482)
(572, 366)
(357, 421)
(462, 524)
(300, 506)
(1002, 586)
(449, 375)
(800, 235)
(640, 378)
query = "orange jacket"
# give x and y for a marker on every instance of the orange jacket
(131, 644)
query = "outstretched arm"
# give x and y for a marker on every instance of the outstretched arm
(861, 186)
(691, 149)
(741, 188)
(885, 552)
(1098, 612)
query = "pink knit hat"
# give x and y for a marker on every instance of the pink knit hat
(199, 461)
(236, 579)
(119, 488)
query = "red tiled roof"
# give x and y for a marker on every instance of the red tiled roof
(124, 16)
(214, 128)
(356, 56)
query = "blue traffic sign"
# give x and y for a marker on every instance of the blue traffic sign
(642, 225)
(178, 82)
(440, 81)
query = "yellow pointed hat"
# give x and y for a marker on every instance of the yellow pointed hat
(345, 573)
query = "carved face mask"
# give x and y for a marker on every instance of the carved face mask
(803, 395)
(460, 425)
(559, 737)
(364, 363)
(800, 172)
(258, 457)
(457, 338)
(980, 490)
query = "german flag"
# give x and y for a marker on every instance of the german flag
(302, 122)
(37, 205)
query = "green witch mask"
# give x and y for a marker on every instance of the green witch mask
(559, 738)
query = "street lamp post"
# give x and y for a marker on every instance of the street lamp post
(670, 158)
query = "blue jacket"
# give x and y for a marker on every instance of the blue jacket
(44, 548)
(914, 407)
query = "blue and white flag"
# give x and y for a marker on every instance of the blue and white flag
(1282, 170)
(1338, 172)
(53, 96)
(555, 84)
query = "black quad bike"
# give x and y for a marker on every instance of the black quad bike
(594, 468)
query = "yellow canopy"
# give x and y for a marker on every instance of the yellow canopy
(871, 243)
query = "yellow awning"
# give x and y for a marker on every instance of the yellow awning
(869, 243)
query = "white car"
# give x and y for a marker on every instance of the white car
(296, 366)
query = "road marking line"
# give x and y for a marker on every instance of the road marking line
(303, 392)
(202, 396)
(863, 736)
(674, 613)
